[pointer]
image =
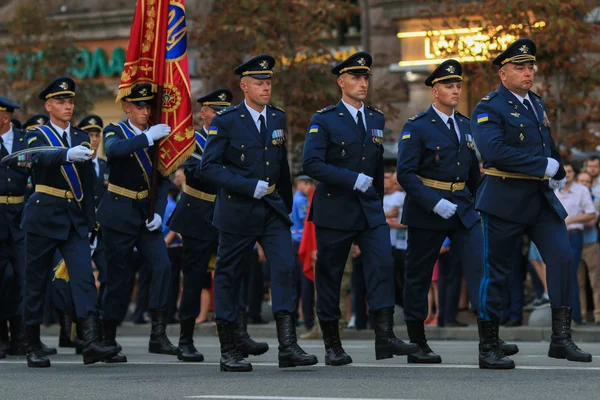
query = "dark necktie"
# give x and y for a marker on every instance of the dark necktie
(64, 136)
(3, 150)
(453, 129)
(361, 125)
(530, 108)
(263, 128)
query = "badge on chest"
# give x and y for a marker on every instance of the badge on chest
(377, 135)
(278, 137)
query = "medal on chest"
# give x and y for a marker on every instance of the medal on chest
(377, 135)
(278, 137)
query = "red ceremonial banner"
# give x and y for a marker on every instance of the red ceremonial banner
(157, 54)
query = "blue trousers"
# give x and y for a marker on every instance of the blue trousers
(449, 282)
(576, 243)
(424, 249)
(500, 238)
(40, 253)
(12, 257)
(119, 247)
(194, 264)
(233, 255)
(333, 248)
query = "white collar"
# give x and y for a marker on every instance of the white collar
(520, 98)
(353, 110)
(8, 136)
(255, 114)
(443, 116)
(61, 130)
(136, 130)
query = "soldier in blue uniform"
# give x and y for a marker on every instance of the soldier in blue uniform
(60, 215)
(125, 223)
(247, 157)
(344, 153)
(439, 170)
(522, 167)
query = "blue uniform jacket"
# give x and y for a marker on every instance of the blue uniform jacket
(52, 216)
(13, 182)
(119, 212)
(100, 184)
(429, 149)
(511, 139)
(236, 158)
(193, 217)
(334, 155)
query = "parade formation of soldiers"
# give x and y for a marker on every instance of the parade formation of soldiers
(239, 193)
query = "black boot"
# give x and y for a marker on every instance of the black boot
(334, 352)
(65, 322)
(561, 344)
(18, 341)
(35, 355)
(231, 356)
(243, 340)
(387, 344)
(4, 338)
(290, 353)
(49, 351)
(490, 353)
(187, 350)
(159, 342)
(507, 348)
(416, 333)
(93, 349)
(109, 335)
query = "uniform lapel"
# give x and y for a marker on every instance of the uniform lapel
(370, 119)
(464, 126)
(515, 105)
(345, 115)
(271, 125)
(19, 143)
(49, 125)
(440, 125)
(247, 120)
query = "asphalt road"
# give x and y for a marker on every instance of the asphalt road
(148, 376)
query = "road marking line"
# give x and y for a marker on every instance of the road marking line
(232, 397)
(357, 365)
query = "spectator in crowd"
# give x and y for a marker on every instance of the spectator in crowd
(173, 241)
(592, 167)
(393, 201)
(535, 259)
(590, 258)
(449, 287)
(577, 201)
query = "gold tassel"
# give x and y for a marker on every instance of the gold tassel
(73, 332)
(61, 271)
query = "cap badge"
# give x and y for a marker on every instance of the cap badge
(451, 69)
(222, 97)
(524, 49)
(264, 64)
(361, 61)
(64, 85)
(92, 121)
(40, 121)
(144, 92)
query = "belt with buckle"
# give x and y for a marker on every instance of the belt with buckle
(131, 194)
(63, 194)
(199, 194)
(512, 175)
(271, 189)
(451, 186)
(12, 199)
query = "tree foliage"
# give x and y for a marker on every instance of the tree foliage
(41, 48)
(568, 62)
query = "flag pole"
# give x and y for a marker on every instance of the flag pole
(156, 113)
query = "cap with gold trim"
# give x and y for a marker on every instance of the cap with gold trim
(60, 88)
(8, 106)
(258, 67)
(447, 72)
(34, 121)
(357, 64)
(217, 99)
(520, 51)
(90, 123)
(141, 95)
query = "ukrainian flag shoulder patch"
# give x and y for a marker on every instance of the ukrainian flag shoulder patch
(314, 129)
(482, 118)
(31, 140)
(212, 130)
(405, 135)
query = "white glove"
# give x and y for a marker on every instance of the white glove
(261, 189)
(557, 184)
(445, 208)
(155, 224)
(552, 167)
(94, 244)
(363, 183)
(79, 154)
(157, 132)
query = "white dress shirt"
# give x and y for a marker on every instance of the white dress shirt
(96, 165)
(521, 99)
(60, 131)
(445, 118)
(8, 139)
(255, 115)
(354, 112)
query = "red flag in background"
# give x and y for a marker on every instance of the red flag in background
(157, 54)
(308, 244)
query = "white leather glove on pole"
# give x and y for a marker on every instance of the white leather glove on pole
(155, 224)
(551, 167)
(79, 154)
(445, 208)
(261, 189)
(363, 182)
(157, 132)
(557, 184)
